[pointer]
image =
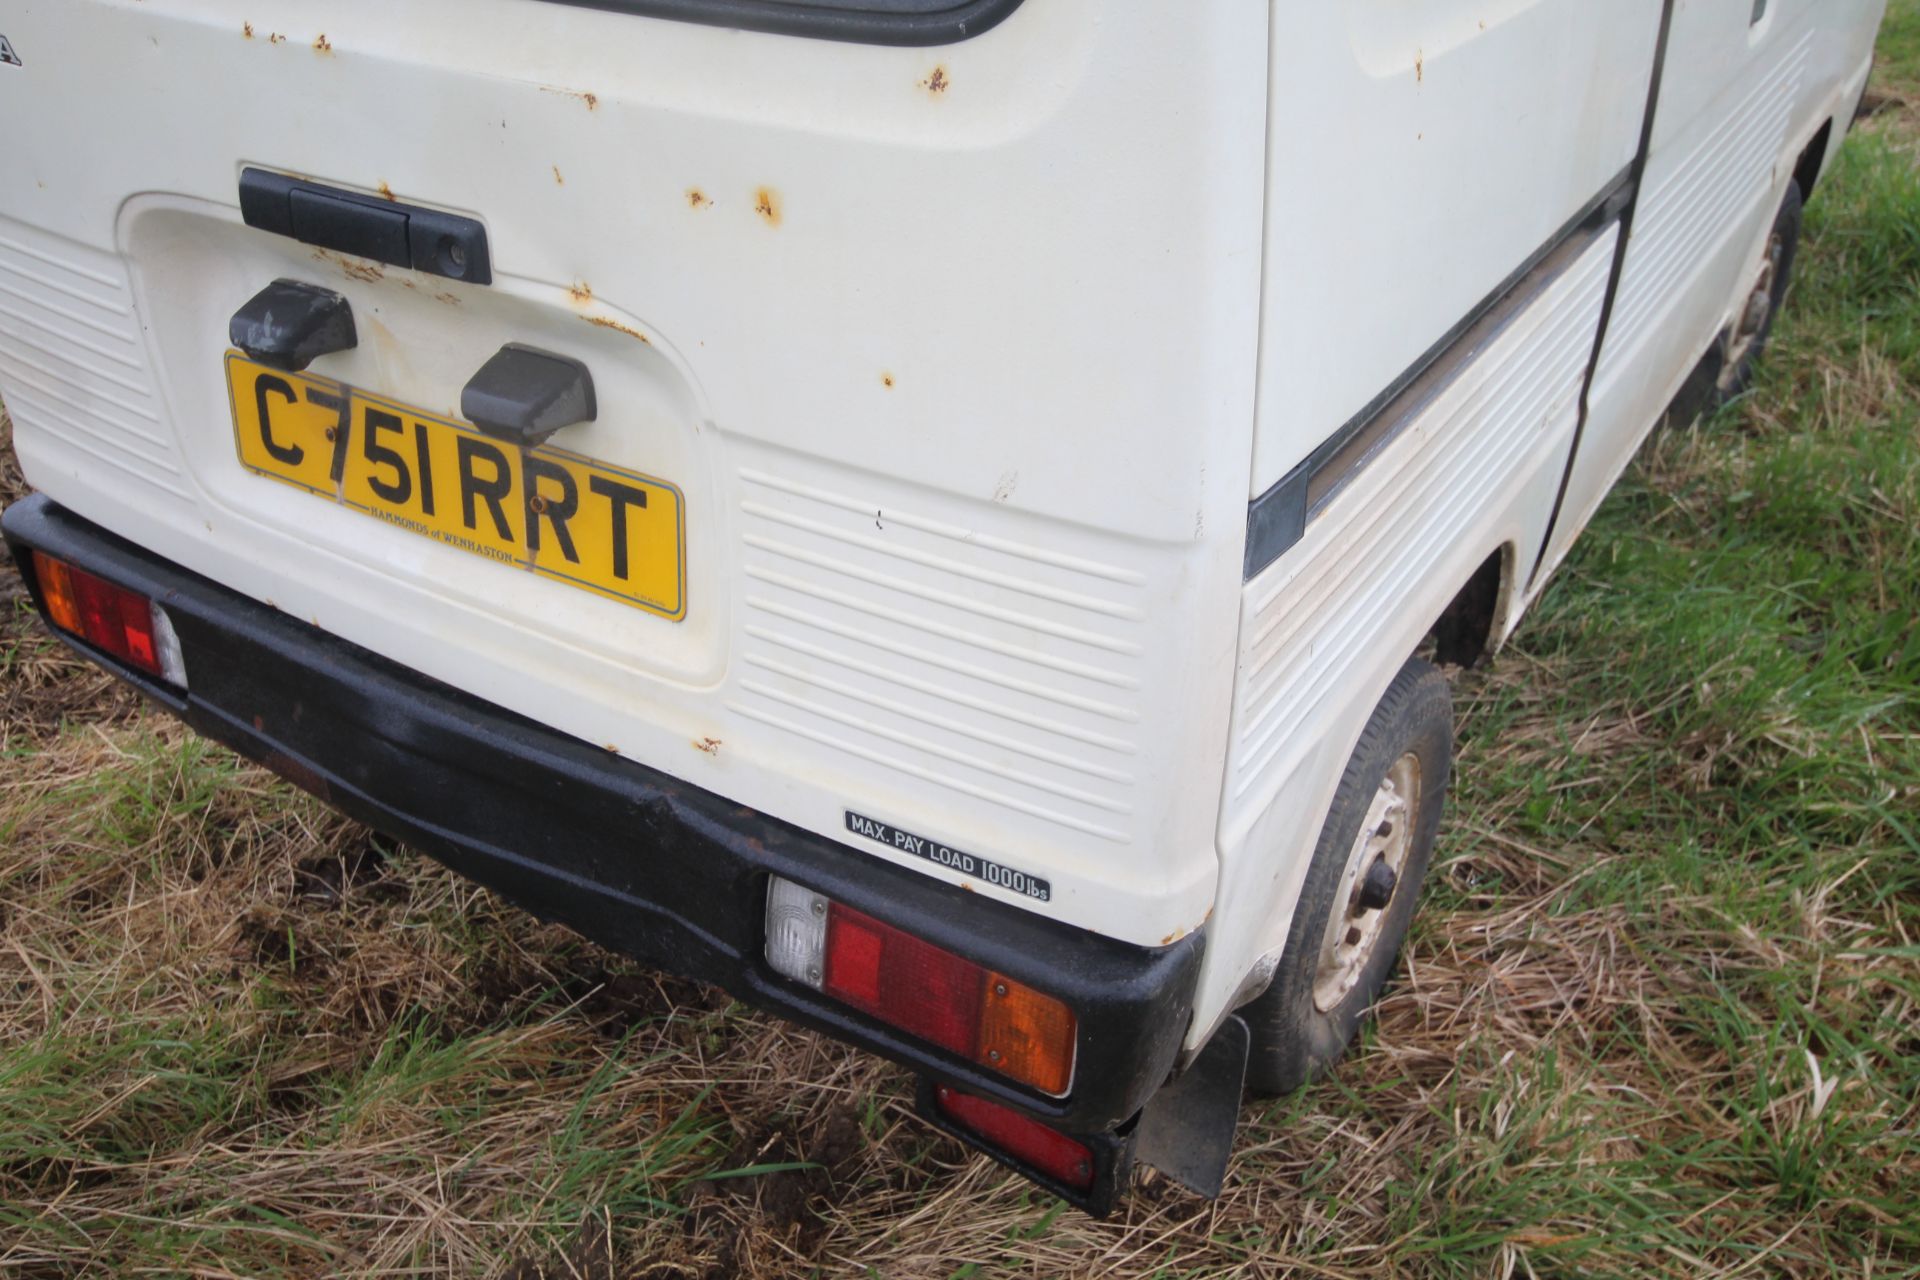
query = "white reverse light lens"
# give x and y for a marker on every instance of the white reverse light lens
(166, 647)
(796, 931)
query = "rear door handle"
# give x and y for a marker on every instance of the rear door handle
(401, 235)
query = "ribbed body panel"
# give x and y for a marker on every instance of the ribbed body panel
(993, 669)
(1314, 616)
(72, 359)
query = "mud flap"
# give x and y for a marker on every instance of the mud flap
(1186, 1130)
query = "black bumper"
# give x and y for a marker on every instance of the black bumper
(634, 859)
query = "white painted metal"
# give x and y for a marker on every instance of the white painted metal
(967, 360)
(1739, 105)
(1419, 150)
(955, 370)
(1327, 626)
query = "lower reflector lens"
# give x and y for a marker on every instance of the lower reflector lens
(1026, 1140)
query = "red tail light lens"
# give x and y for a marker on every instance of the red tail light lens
(122, 623)
(1029, 1142)
(926, 992)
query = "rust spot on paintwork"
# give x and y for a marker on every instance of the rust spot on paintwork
(580, 291)
(246, 29)
(558, 181)
(608, 322)
(710, 746)
(322, 45)
(386, 192)
(697, 199)
(1420, 66)
(351, 268)
(886, 380)
(766, 203)
(937, 83)
(274, 37)
(447, 298)
(591, 99)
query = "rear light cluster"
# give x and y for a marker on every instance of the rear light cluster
(929, 993)
(124, 624)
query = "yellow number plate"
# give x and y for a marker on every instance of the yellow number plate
(612, 532)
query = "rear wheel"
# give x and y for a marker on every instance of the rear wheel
(1760, 302)
(1361, 886)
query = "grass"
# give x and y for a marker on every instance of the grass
(1661, 1015)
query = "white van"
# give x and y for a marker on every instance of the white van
(920, 512)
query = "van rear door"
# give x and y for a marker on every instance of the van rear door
(922, 375)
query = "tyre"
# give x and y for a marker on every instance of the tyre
(1765, 293)
(1361, 887)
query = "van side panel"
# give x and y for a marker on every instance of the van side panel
(1738, 103)
(1420, 154)
(1420, 157)
(1326, 625)
(1324, 630)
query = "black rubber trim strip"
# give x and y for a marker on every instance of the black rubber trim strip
(1613, 281)
(633, 858)
(891, 22)
(1278, 518)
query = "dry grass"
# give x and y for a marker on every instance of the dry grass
(1659, 1018)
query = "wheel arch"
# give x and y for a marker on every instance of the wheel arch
(1468, 631)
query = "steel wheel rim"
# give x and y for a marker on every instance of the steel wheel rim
(1354, 929)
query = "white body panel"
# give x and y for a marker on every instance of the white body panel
(966, 359)
(1739, 104)
(927, 578)
(1468, 134)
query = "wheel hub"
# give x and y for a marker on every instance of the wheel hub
(1375, 867)
(1376, 887)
